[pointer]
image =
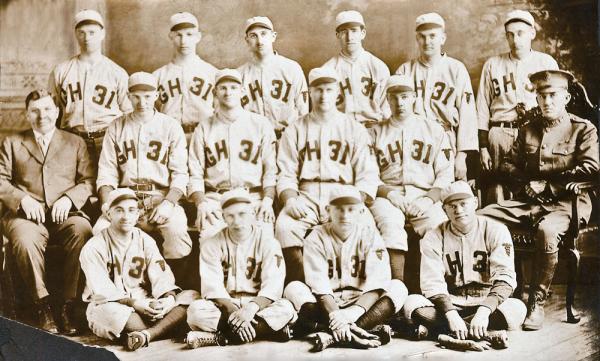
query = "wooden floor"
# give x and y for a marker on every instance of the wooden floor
(558, 340)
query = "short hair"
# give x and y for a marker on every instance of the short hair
(38, 94)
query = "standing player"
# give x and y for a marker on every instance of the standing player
(129, 286)
(348, 276)
(275, 85)
(444, 90)
(415, 162)
(242, 273)
(91, 89)
(233, 148)
(505, 87)
(146, 151)
(362, 75)
(185, 85)
(320, 152)
(467, 274)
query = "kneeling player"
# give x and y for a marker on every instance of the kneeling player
(241, 274)
(467, 274)
(129, 286)
(347, 272)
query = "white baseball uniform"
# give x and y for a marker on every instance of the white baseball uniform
(316, 157)
(276, 89)
(90, 96)
(152, 154)
(186, 91)
(413, 158)
(444, 94)
(362, 83)
(240, 272)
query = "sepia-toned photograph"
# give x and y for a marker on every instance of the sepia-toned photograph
(299, 180)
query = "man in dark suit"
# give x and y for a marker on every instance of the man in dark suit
(45, 179)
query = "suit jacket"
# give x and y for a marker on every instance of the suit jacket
(66, 170)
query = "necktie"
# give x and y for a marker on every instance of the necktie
(43, 145)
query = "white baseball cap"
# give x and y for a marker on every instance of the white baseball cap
(429, 21)
(455, 191)
(116, 196)
(349, 17)
(142, 81)
(263, 21)
(236, 195)
(345, 195)
(228, 74)
(319, 76)
(183, 20)
(87, 16)
(520, 15)
(399, 83)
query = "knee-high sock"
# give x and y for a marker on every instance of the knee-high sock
(174, 318)
(497, 321)
(310, 319)
(294, 265)
(378, 314)
(428, 317)
(135, 323)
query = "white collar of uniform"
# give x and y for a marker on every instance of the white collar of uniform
(361, 53)
(441, 59)
(519, 60)
(47, 137)
(195, 59)
(270, 60)
(405, 124)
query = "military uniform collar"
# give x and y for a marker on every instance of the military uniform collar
(551, 123)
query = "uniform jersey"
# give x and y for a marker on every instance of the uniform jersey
(358, 264)
(444, 93)
(91, 97)
(137, 152)
(226, 154)
(466, 266)
(254, 267)
(336, 151)
(505, 82)
(362, 84)
(186, 92)
(114, 270)
(416, 153)
(276, 89)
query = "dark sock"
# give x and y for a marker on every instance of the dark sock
(174, 318)
(497, 321)
(135, 323)
(294, 266)
(397, 263)
(378, 314)
(428, 317)
(310, 319)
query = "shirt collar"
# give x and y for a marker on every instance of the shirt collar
(48, 136)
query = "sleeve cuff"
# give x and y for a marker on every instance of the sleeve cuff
(174, 195)
(483, 138)
(261, 301)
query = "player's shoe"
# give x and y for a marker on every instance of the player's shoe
(383, 332)
(498, 339)
(284, 335)
(137, 339)
(195, 339)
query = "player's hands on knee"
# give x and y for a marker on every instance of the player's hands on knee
(60, 209)
(457, 325)
(243, 316)
(34, 210)
(485, 159)
(418, 207)
(342, 334)
(246, 331)
(398, 200)
(142, 307)
(265, 212)
(297, 207)
(161, 213)
(479, 323)
(163, 305)
(460, 166)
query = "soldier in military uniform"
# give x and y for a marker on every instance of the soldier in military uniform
(550, 151)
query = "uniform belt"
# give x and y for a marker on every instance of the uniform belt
(505, 124)
(303, 181)
(472, 291)
(89, 135)
(189, 127)
(143, 187)
(257, 189)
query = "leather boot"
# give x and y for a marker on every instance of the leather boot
(45, 316)
(537, 298)
(68, 323)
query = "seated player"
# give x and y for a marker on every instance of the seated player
(348, 287)
(129, 286)
(415, 162)
(241, 280)
(467, 274)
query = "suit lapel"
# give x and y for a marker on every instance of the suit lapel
(56, 144)
(31, 145)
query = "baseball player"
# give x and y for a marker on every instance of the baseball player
(91, 89)
(348, 286)
(129, 286)
(362, 75)
(275, 85)
(146, 151)
(185, 85)
(444, 90)
(233, 148)
(415, 162)
(550, 151)
(242, 273)
(505, 89)
(467, 274)
(317, 154)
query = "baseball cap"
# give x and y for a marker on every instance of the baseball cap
(116, 196)
(263, 21)
(236, 195)
(519, 15)
(183, 20)
(398, 84)
(345, 195)
(429, 21)
(37, 94)
(349, 17)
(549, 80)
(142, 81)
(319, 76)
(87, 16)
(228, 74)
(455, 191)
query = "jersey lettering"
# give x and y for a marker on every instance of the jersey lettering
(77, 91)
(100, 95)
(306, 152)
(336, 146)
(330, 268)
(369, 86)
(358, 268)
(255, 90)
(137, 265)
(454, 265)
(397, 150)
(221, 149)
(247, 150)
(122, 156)
(154, 152)
(417, 152)
(480, 258)
(345, 86)
(253, 269)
